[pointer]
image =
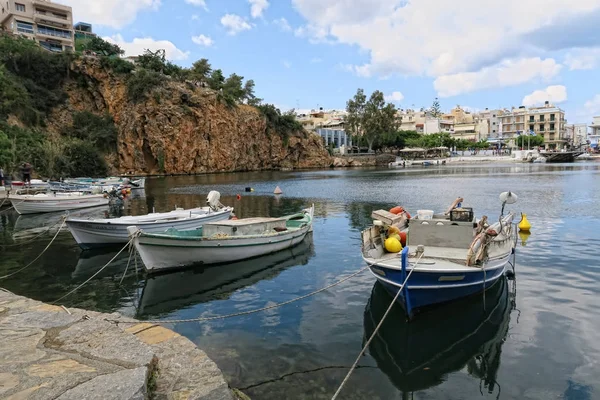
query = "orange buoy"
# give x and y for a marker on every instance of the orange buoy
(392, 229)
(397, 210)
(238, 197)
(403, 239)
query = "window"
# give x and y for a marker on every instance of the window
(531, 127)
(542, 118)
(494, 131)
(493, 123)
(494, 116)
(551, 117)
(24, 27)
(55, 47)
(551, 127)
(20, 7)
(541, 127)
(46, 30)
(531, 118)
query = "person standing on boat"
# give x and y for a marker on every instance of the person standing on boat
(26, 172)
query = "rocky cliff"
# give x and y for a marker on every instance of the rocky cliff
(182, 128)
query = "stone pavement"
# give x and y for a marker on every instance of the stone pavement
(49, 352)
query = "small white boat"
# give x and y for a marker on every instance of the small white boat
(584, 157)
(220, 242)
(90, 233)
(51, 202)
(540, 159)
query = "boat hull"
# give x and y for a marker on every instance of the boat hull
(99, 233)
(34, 205)
(160, 254)
(427, 288)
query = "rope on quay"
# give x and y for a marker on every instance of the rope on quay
(96, 274)
(39, 256)
(202, 319)
(35, 237)
(353, 367)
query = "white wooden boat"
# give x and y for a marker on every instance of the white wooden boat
(51, 202)
(220, 242)
(90, 233)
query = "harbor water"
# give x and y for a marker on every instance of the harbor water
(536, 337)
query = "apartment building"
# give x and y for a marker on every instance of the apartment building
(512, 123)
(493, 121)
(49, 24)
(83, 30)
(594, 136)
(548, 121)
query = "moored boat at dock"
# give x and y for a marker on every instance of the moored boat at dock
(220, 242)
(52, 202)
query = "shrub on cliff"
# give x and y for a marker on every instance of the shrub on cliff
(98, 130)
(82, 159)
(141, 83)
(283, 124)
(98, 46)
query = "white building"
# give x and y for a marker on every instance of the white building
(594, 136)
(576, 134)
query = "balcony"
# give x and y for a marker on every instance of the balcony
(55, 6)
(47, 17)
(65, 36)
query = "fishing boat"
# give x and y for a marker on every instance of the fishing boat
(51, 202)
(417, 355)
(220, 242)
(165, 293)
(447, 256)
(91, 233)
(113, 181)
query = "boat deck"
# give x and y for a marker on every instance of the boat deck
(435, 258)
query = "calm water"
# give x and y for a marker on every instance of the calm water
(538, 337)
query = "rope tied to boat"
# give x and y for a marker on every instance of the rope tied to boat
(212, 318)
(64, 219)
(353, 367)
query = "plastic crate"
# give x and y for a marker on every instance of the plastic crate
(463, 214)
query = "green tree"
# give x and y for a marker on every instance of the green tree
(370, 119)
(249, 96)
(99, 130)
(216, 80)
(534, 141)
(201, 70)
(140, 84)
(153, 60)
(99, 46)
(435, 109)
(233, 90)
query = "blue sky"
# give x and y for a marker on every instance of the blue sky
(310, 53)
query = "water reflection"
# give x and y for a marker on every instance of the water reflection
(420, 354)
(165, 293)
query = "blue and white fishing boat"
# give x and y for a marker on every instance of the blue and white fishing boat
(447, 256)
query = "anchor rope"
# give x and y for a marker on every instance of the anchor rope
(96, 274)
(211, 318)
(353, 367)
(39, 256)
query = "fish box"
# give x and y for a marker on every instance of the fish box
(243, 227)
(464, 214)
(386, 217)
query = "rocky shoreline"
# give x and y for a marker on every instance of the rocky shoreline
(50, 352)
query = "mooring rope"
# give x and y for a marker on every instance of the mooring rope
(96, 274)
(353, 367)
(202, 319)
(38, 257)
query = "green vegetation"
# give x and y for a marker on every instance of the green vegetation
(99, 46)
(143, 82)
(533, 141)
(98, 130)
(370, 119)
(282, 124)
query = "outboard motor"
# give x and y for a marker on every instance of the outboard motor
(213, 200)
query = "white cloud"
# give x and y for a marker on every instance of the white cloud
(138, 45)
(257, 7)
(113, 13)
(553, 94)
(316, 60)
(583, 59)
(430, 37)
(506, 73)
(203, 40)
(394, 97)
(235, 24)
(592, 106)
(283, 24)
(286, 64)
(198, 3)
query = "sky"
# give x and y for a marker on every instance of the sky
(306, 54)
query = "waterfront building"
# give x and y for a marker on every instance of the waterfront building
(576, 134)
(594, 136)
(334, 133)
(83, 30)
(48, 24)
(548, 121)
(492, 117)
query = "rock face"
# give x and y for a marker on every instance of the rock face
(181, 128)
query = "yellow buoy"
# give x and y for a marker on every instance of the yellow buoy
(393, 245)
(524, 225)
(524, 236)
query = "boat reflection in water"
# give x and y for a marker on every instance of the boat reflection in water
(419, 354)
(168, 292)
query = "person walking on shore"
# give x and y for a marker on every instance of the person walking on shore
(26, 173)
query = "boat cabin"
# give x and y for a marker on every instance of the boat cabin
(455, 230)
(244, 227)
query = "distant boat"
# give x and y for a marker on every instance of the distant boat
(91, 233)
(51, 202)
(451, 259)
(220, 242)
(417, 355)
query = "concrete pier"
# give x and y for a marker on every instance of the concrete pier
(49, 352)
